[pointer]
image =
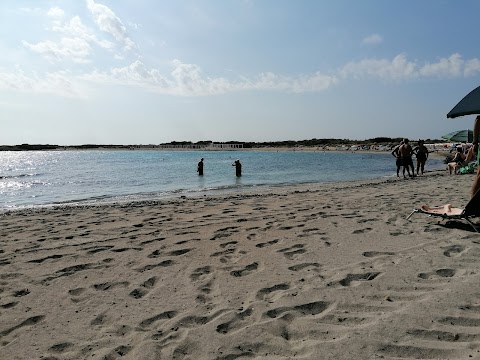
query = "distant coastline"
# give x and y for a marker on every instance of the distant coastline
(375, 144)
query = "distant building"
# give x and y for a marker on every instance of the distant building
(209, 146)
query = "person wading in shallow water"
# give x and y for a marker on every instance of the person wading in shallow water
(238, 167)
(200, 167)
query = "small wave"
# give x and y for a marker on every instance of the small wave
(16, 176)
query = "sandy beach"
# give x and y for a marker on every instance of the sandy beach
(328, 271)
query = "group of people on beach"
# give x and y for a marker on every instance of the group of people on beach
(237, 164)
(404, 152)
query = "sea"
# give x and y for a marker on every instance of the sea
(46, 178)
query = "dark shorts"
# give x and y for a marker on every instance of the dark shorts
(399, 162)
(421, 156)
(407, 161)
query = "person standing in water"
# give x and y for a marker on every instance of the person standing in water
(200, 167)
(238, 167)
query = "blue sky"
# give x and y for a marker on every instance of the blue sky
(149, 71)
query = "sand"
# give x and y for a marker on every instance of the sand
(331, 271)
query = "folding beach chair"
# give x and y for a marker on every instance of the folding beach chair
(447, 212)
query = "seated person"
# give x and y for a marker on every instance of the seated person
(471, 161)
(460, 160)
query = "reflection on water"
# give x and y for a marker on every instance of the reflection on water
(46, 177)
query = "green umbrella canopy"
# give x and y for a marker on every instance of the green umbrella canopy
(463, 136)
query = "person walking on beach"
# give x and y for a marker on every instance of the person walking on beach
(406, 153)
(396, 154)
(200, 167)
(421, 153)
(238, 168)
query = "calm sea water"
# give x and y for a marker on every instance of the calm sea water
(53, 177)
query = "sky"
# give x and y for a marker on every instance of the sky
(154, 71)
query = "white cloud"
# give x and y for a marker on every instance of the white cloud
(402, 69)
(76, 29)
(315, 82)
(396, 69)
(75, 49)
(74, 45)
(450, 67)
(472, 67)
(59, 83)
(188, 79)
(56, 13)
(108, 22)
(372, 39)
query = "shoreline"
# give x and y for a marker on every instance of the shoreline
(253, 190)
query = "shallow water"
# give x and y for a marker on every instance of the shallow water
(52, 177)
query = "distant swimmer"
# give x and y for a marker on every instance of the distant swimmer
(200, 167)
(238, 167)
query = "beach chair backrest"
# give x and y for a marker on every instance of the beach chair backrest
(473, 206)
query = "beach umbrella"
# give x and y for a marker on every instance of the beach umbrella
(463, 136)
(469, 105)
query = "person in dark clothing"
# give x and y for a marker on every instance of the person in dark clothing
(200, 167)
(421, 152)
(238, 167)
(406, 153)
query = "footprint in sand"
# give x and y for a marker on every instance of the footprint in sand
(245, 271)
(61, 347)
(440, 272)
(200, 272)
(39, 261)
(28, 322)
(263, 293)
(453, 250)
(9, 305)
(164, 263)
(377, 253)
(110, 285)
(291, 252)
(299, 267)
(236, 322)
(460, 321)
(361, 231)
(166, 315)
(99, 319)
(268, 243)
(225, 232)
(347, 281)
(206, 285)
(224, 245)
(144, 288)
(313, 308)
(76, 295)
